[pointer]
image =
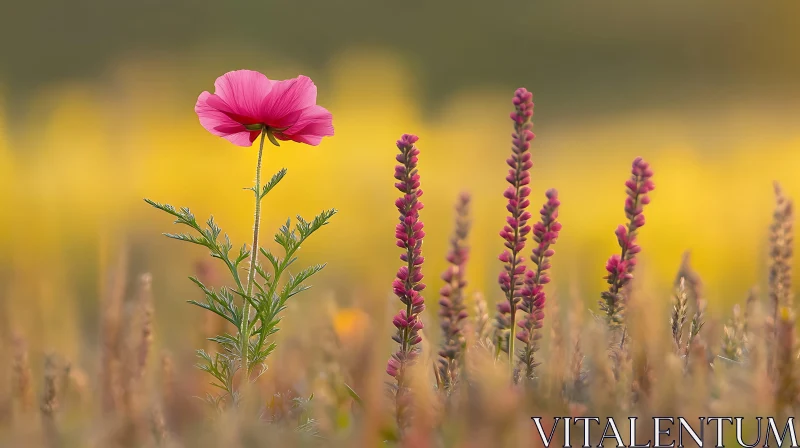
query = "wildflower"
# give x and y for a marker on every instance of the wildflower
(480, 324)
(620, 266)
(21, 369)
(55, 370)
(516, 229)
(245, 106)
(678, 317)
(694, 283)
(453, 311)
(246, 103)
(688, 295)
(781, 238)
(785, 375)
(781, 241)
(408, 282)
(545, 234)
(697, 323)
(734, 336)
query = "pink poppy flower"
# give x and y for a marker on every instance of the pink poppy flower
(245, 102)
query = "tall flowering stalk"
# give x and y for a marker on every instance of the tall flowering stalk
(516, 229)
(620, 266)
(408, 282)
(545, 234)
(786, 389)
(781, 239)
(693, 282)
(481, 325)
(696, 324)
(678, 316)
(734, 336)
(689, 289)
(247, 106)
(453, 311)
(781, 242)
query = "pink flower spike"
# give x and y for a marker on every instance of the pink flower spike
(453, 308)
(545, 234)
(516, 229)
(246, 102)
(408, 281)
(621, 266)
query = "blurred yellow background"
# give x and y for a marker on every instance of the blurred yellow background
(708, 94)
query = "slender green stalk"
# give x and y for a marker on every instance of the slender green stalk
(406, 331)
(513, 290)
(516, 228)
(245, 329)
(258, 316)
(511, 337)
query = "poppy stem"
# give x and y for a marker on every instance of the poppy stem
(244, 331)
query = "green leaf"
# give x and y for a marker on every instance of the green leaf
(244, 252)
(276, 178)
(228, 342)
(219, 302)
(164, 207)
(220, 367)
(273, 260)
(265, 276)
(272, 138)
(258, 354)
(306, 228)
(188, 238)
(207, 237)
(295, 284)
(354, 395)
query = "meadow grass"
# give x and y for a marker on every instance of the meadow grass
(644, 351)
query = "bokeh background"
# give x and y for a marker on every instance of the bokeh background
(96, 113)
